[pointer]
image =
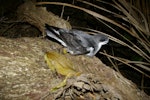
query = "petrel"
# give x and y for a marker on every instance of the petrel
(77, 42)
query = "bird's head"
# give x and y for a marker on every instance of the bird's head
(101, 39)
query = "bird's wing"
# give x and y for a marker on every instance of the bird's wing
(87, 41)
(74, 42)
(70, 39)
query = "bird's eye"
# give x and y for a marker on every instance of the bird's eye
(79, 41)
(103, 39)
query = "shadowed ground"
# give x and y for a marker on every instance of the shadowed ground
(24, 73)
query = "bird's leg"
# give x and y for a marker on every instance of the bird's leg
(60, 50)
(64, 51)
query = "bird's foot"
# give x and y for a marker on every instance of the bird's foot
(64, 51)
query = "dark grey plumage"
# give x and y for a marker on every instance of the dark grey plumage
(77, 42)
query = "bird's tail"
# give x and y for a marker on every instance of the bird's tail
(53, 29)
(53, 32)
